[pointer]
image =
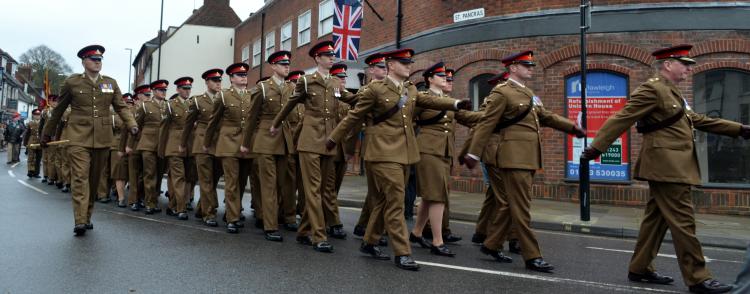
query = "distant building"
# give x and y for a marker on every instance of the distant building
(17, 93)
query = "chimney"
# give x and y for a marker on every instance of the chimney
(216, 2)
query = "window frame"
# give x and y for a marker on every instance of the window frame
(302, 29)
(322, 20)
(290, 39)
(257, 52)
(270, 48)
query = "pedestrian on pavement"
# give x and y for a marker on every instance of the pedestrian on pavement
(513, 118)
(14, 137)
(668, 162)
(89, 139)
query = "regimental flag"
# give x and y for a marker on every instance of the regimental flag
(347, 29)
(47, 87)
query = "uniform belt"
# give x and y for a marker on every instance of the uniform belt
(94, 113)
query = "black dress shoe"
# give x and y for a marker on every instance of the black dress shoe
(383, 241)
(359, 231)
(29, 175)
(514, 246)
(37, 176)
(538, 264)
(141, 204)
(478, 238)
(198, 214)
(157, 209)
(442, 250)
(258, 223)
(51, 183)
(65, 189)
(650, 277)
(242, 217)
(323, 247)
(497, 255)
(189, 206)
(182, 216)
(44, 180)
(274, 236)
(239, 224)
(79, 230)
(134, 207)
(293, 227)
(59, 185)
(89, 226)
(450, 238)
(232, 228)
(419, 240)
(304, 240)
(407, 263)
(710, 286)
(121, 204)
(171, 212)
(105, 200)
(373, 251)
(211, 223)
(337, 232)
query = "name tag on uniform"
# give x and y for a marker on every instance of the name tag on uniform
(537, 101)
(106, 88)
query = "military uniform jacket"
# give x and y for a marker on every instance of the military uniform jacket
(668, 154)
(148, 116)
(172, 128)
(268, 99)
(89, 123)
(320, 97)
(62, 131)
(199, 115)
(391, 140)
(518, 146)
(228, 122)
(439, 137)
(117, 129)
(31, 135)
(126, 138)
(467, 143)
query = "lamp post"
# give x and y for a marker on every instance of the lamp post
(583, 168)
(130, 67)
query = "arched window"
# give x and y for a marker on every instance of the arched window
(723, 93)
(479, 88)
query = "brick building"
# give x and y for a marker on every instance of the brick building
(623, 34)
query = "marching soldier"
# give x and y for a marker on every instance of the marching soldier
(335, 228)
(320, 94)
(225, 129)
(294, 120)
(435, 140)
(208, 167)
(128, 145)
(513, 118)
(668, 162)
(148, 116)
(63, 160)
(119, 160)
(268, 97)
(89, 95)
(32, 136)
(49, 154)
(170, 146)
(388, 108)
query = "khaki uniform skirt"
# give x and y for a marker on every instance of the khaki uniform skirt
(118, 166)
(433, 177)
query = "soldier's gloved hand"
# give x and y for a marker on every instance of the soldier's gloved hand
(243, 149)
(745, 132)
(205, 149)
(273, 131)
(579, 132)
(471, 163)
(128, 150)
(464, 104)
(43, 142)
(590, 153)
(330, 144)
(134, 130)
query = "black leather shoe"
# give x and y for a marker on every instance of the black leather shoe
(44, 180)
(359, 231)
(150, 210)
(406, 262)
(65, 189)
(89, 226)
(323, 247)
(538, 264)
(291, 227)
(157, 209)
(232, 228)
(710, 286)
(373, 251)
(514, 246)
(121, 204)
(274, 236)
(37, 176)
(304, 240)
(189, 206)
(258, 223)
(59, 185)
(442, 250)
(239, 224)
(450, 238)
(79, 230)
(383, 241)
(105, 200)
(29, 175)
(497, 255)
(337, 232)
(171, 212)
(650, 277)
(134, 207)
(182, 216)
(198, 214)
(211, 223)
(242, 217)
(478, 238)
(419, 240)
(141, 204)
(52, 183)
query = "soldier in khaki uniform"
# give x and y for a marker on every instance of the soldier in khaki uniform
(63, 160)
(48, 154)
(268, 97)
(388, 107)
(208, 167)
(119, 160)
(31, 136)
(293, 196)
(435, 140)
(344, 151)
(515, 116)
(89, 95)
(170, 146)
(320, 94)
(149, 116)
(669, 163)
(129, 144)
(226, 129)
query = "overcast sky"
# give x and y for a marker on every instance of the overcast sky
(67, 26)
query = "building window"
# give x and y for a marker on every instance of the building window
(479, 88)
(325, 18)
(245, 53)
(286, 36)
(723, 93)
(270, 43)
(303, 28)
(256, 53)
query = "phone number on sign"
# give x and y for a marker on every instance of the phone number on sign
(599, 173)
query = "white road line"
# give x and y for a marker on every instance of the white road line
(11, 173)
(15, 164)
(161, 221)
(662, 255)
(31, 187)
(607, 286)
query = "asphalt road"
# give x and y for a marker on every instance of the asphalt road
(129, 252)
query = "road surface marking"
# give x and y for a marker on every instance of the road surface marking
(663, 255)
(11, 173)
(31, 187)
(548, 279)
(161, 221)
(15, 164)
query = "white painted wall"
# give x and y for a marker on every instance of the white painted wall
(183, 55)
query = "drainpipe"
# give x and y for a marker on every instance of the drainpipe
(399, 19)
(262, 42)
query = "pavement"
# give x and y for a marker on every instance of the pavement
(130, 252)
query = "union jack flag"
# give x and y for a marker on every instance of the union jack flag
(347, 29)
